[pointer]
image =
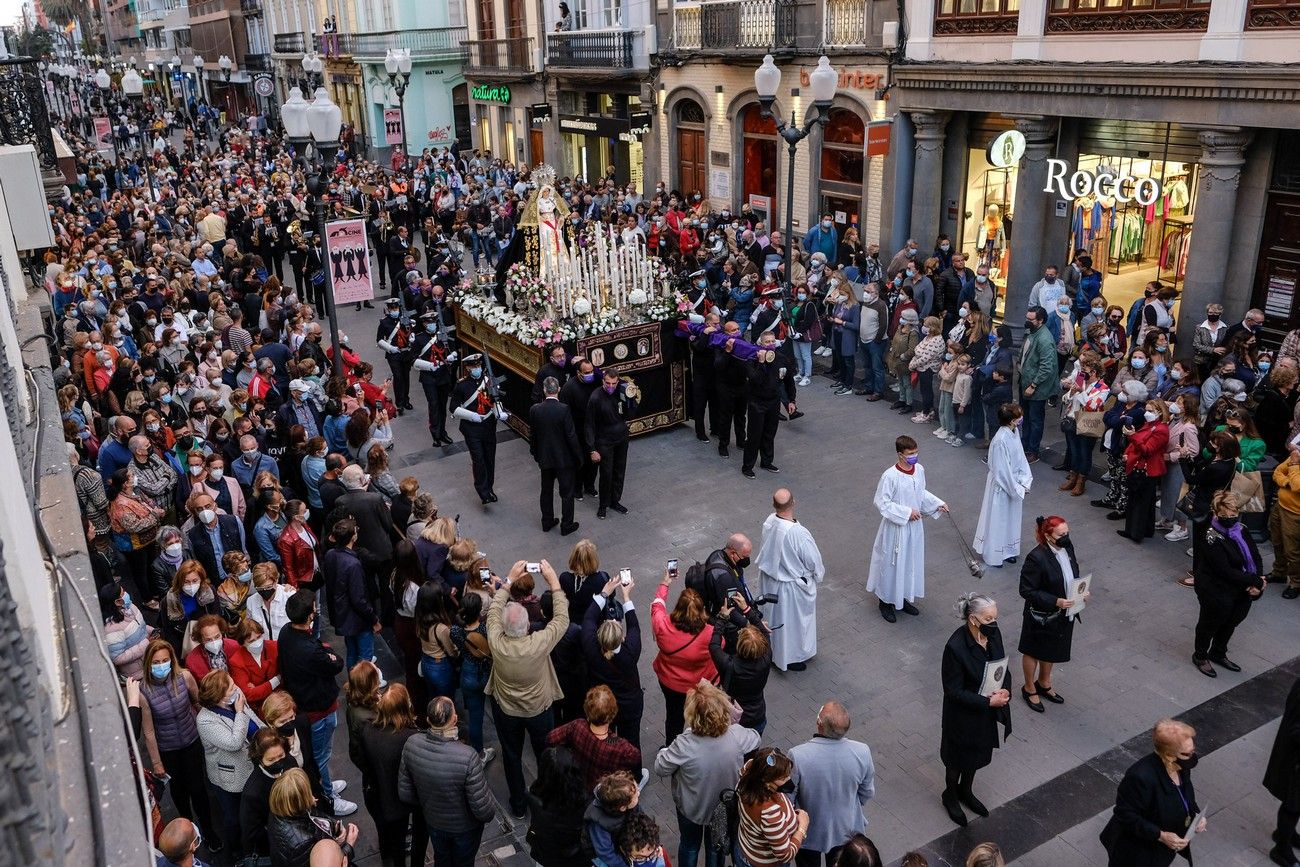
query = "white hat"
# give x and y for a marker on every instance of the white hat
(299, 385)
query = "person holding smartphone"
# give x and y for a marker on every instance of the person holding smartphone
(612, 649)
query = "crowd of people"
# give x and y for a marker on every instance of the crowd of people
(234, 478)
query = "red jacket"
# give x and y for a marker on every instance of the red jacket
(298, 556)
(197, 659)
(1146, 449)
(254, 680)
(683, 659)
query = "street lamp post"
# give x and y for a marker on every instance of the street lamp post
(398, 64)
(224, 63)
(317, 123)
(313, 69)
(823, 80)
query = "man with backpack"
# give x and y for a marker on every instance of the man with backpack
(722, 573)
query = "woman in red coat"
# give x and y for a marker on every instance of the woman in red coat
(297, 546)
(1144, 465)
(255, 666)
(683, 659)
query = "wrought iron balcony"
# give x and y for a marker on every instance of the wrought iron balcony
(290, 43)
(257, 63)
(1073, 16)
(752, 26)
(846, 24)
(22, 105)
(502, 56)
(607, 49)
(430, 43)
(251, 8)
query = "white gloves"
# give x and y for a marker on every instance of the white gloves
(468, 415)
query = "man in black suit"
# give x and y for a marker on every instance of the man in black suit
(376, 535)
(607, 411)
(213, 535)
(399, 246)
(557, 452)
(560, 367)
(575, 394)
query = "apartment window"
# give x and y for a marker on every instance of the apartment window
(487, 19)
(1272, 14)
(1104, 16)
(968, 17)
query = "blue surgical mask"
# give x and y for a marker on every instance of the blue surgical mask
(587, 377)
(993, 338)
(431, 327)
(1063, 308)
(394, 314)
(826, 224)
(161, 669)
(475, 372)
(1161, 348)
(166, 398)
(126, 600)
(1138, 363)
(1264, 365)
(245, 577)
(912, 459)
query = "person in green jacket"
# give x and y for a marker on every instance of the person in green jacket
(1039, 379)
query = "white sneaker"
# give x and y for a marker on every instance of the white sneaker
(807, 381)
(489, 753)
(919, 418)
(344, 807)
(1177, 534)
(956, 442)
(970, 436)
(339, 786)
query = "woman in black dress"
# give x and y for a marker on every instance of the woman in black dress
(1155, 794)
(1047, 631)
(1210, 473)
(969, 729)
(1229, 577)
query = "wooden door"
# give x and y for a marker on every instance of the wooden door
(692, 161)
(536, 147)
(1277, 280)
(516, 30)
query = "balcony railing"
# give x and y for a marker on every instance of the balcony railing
(432, 43)
(511, 56)
(610, 49)
(731, 25)
(846, 24)
(338, 44)
(1272, 14)
(251, 8)
(1079, 16)
(290, 43)
(257, 63)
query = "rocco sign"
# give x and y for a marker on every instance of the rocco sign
(1124, 188)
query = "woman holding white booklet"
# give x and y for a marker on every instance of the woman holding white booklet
(1046, 580)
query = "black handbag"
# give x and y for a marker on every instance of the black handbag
(1043, 618)
(1193, 508)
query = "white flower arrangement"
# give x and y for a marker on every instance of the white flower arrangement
(582, 307)
(637, 297)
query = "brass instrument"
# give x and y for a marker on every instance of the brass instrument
(414, 253)
(295, 230)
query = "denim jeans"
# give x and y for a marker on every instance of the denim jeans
(925, 385)
(873, 374)
(1081, 454)
(847, 361)
(439, 676)
(1031, 434)
(359, 647)
(691, 838)
(455, 850)
(947, 415)
(510, 732)
(473, 679)
(322, 747)
(803, 357)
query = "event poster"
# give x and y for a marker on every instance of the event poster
(103, 135)
(393, 126)
(348, 253)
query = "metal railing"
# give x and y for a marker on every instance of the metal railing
(335, 45)
(753, 25)
(257, 62)
(609, 49)
(290, 43)
(251, 8)
(502, 55)
(424, 44)
(22, 105)
(845, 24)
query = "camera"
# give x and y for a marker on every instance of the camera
(534, 568)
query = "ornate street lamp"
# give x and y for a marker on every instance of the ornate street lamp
(823, 80)
(398, 64)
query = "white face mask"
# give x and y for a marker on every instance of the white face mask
(213, 646)
(207, 516)
(216, 473)
(255, 646)
(174, 549)
(191, 589)
(1150, 416)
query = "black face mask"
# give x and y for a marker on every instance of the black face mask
(1229, 522)
(1188, 763)
(286, 729)
(786, 788)
(278, 768)
(988, 630)
(742, 562)
(1031, 325)
(1062, 540)
(1213, 317)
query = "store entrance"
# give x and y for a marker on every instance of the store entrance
(1133, 244)
(843, 210)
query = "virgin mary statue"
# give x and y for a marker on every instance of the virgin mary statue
(544, 215)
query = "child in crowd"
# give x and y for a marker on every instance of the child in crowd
(961, 400)
(616, 799)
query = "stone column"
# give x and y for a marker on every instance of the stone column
(1223, 153)
(927, 178)
(1029, 219)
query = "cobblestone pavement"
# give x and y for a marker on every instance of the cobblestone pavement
(1132, 651)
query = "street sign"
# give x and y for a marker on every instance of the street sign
(878, 132)
(347, 255)
(263, 85)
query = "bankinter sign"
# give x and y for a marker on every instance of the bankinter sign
(1124, 188)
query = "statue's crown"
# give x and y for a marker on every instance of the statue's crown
(544, 175)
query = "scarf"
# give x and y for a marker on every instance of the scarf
(167, 559)
(1237, 534)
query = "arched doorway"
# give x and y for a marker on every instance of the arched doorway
(758, 157)
(692, 154)
(843, 167)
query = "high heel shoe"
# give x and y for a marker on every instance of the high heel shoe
(1048, 693)
(1036, 708)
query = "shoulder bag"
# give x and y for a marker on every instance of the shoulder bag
(1248, 488)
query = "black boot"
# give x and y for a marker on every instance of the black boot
(954, 809)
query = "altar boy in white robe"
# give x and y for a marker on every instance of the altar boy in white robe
(897, 572)
(997, 534)
(790, 567)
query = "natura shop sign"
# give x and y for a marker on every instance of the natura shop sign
(491, 93)
(1123, 188)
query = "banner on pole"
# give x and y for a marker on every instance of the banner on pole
(393, 126)
(103, 135)
(347, 254)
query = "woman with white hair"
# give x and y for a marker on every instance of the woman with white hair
(612, 649)
(1128, 412)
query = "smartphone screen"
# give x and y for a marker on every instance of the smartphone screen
(484, 575)
(672, 568)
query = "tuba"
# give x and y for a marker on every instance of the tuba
(295, 231)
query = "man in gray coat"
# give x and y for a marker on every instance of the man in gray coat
(834, 778)
(445, 779)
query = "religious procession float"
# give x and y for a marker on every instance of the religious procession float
(601, 298)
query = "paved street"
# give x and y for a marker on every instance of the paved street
(1131, 653)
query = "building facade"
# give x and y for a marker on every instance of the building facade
(1160, 139)
(714, 140)
(504, 77)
